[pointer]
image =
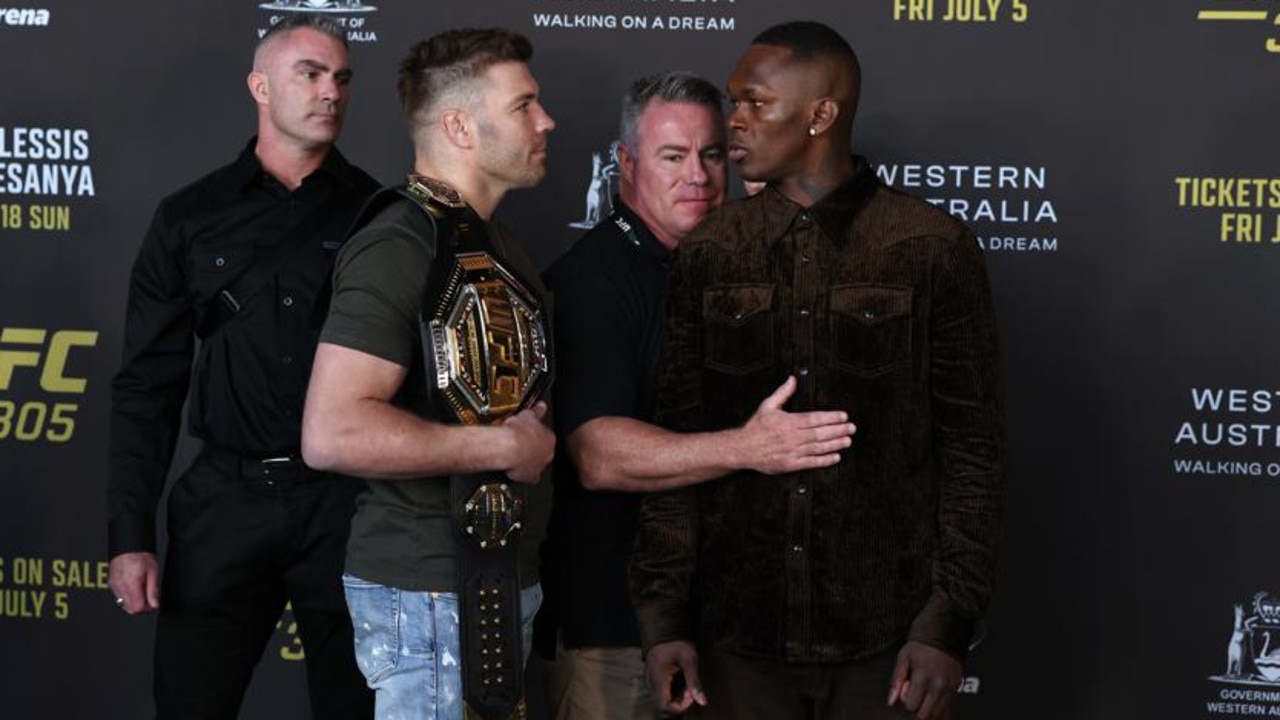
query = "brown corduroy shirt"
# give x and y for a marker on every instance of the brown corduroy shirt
(879, 304)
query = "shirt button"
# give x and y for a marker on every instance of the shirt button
(802, 490)
(219, 261)
(287, 359)
(804, 312)
(797, 548)
(803, 220)
(804, 257)
(803, 370)
(288, 301)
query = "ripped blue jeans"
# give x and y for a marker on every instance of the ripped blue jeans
(406, 645)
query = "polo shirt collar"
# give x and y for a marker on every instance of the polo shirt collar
(639, 234)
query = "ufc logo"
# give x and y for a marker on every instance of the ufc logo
(25, 348)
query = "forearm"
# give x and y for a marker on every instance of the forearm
(146, 409)
(627, 455)
(969, 450)
(139, 458)
(663, 566)
(970, 520)
(374, 439)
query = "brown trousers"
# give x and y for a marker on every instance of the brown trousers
(598, 684)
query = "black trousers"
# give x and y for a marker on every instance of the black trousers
(743, 688)
(242, 543)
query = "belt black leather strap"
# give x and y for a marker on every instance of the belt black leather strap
(488, 527)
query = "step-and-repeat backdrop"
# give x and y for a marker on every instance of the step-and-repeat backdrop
(1118, 162)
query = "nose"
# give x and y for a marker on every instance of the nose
(735, 120)
(545, 122)
(330, 89)
(696, 170)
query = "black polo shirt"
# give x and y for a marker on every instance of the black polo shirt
(247, 385)
(608, 291)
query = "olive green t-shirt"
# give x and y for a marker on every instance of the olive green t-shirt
(402, 534)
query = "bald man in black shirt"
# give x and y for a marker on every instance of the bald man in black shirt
(240, 261)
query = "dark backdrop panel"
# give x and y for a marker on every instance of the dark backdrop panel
(1097, 149)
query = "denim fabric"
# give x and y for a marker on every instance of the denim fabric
(407, 646)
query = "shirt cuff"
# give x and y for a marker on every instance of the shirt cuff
(661, 624)
(131, 533)
(939, 625)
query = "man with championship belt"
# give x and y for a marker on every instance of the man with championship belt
(426, 383)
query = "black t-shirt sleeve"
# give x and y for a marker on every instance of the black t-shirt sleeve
(597, 370)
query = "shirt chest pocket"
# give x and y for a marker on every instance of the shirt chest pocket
(870, 328)
(213, 268)
(738, 328)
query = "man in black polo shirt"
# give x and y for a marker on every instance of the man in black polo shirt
(608, 293)
(240, 260)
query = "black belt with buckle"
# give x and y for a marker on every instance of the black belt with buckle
(285, 469)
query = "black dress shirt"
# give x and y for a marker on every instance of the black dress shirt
(247, 384)
(608, 292)
(879, 304)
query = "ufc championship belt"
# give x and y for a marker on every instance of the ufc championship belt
(485, 343)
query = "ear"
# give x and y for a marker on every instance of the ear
(626, 163)
(458, 128)
(259, 87)
(825, 112)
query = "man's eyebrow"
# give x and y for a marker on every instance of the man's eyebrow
(673, 146)
(523, 98)
(310, 64)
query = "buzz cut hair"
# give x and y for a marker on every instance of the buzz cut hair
(297, 21)
(808, 40)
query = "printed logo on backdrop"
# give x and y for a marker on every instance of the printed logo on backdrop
(41, 169)
(601, 187)
(1247, 209)
(40, 385)
(1233, 433)
(350, 15)
(1009, 207)
(1250, 681)
(1261, 24)
(961, 11)
(636, 15)
(42, 588)
(971, 684)
(24, 17)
